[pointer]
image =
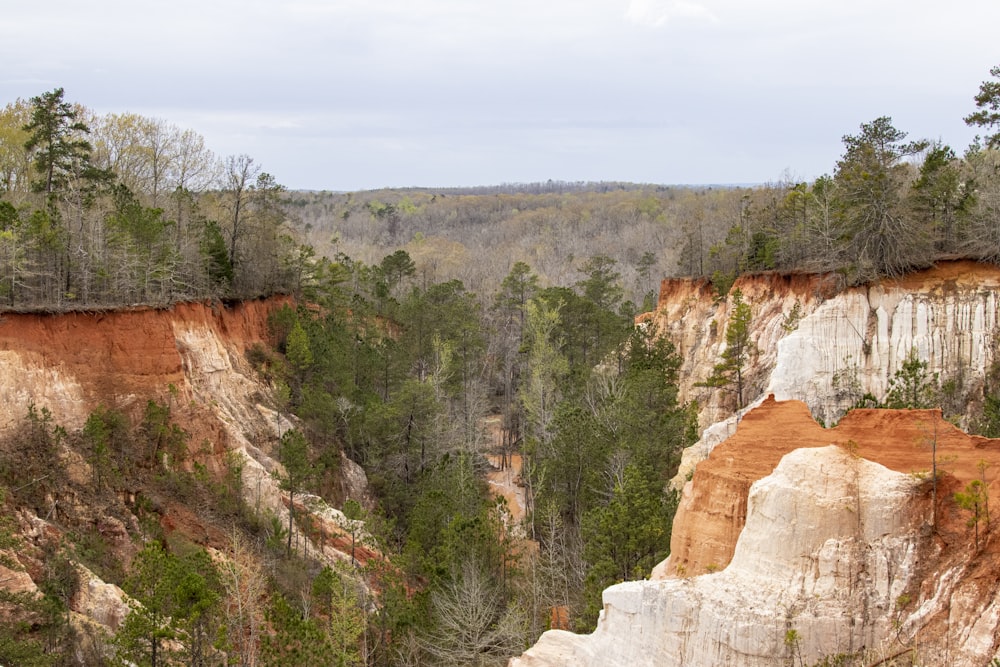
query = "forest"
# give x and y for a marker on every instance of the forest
(437, 333)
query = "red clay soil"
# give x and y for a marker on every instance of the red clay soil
(941, 276)
(112, 354)
(120, 359)
(947, 274)
(901, 440)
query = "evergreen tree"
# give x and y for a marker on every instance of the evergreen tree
(974, 499)
(293, 454)
(176, 603)
(912, 386)
(297, 639)
(627, 537)
(730, 370)
(57, 142)
(871, 178)
(334, 588)
(988, 103)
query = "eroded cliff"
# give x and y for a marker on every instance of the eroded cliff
(191, 357)
(785, 525)
(794, 539)
(828, 345)
(824, 344)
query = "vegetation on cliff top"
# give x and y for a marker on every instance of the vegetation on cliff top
(118, 210)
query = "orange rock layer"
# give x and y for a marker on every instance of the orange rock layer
(112, 355)
(714, 506)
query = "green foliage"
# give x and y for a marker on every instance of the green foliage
(627, 537)
(601, 474)
(569, 467)
(912, 386)
(974, 499)
(395, 268)
(722, 283)
(602, 286)
(297, 639)
(739, 350)
(762, 253)
(106, 433)
(215, 256)
(869, 177)
(792, 318)
(546, 369)
(26, 463)
(176, 606)
(23, 639)
(297, 348)
(36, 630)
(293, 454)
(517, 288)
(335, 592)
(165, 440)
(133, 243)
(989, 423)
(988, 103)
(443, 335)
(57, 141)
(453, 521)
(793, 642)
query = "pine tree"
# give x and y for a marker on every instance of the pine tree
(57, 141)
(730, 370)
(293, 453)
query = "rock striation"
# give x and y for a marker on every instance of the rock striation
(828, 345)
(831, 541)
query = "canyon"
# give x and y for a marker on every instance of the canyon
(804, 531)
(795, 543)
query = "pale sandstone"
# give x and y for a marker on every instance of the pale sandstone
(830, 543)
(845, 341)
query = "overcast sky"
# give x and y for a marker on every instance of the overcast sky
(359, 94)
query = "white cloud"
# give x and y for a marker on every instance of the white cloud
(656, 13)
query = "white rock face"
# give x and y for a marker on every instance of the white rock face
(855, 342)
(99, 601)
(829, 544)
(838, 347)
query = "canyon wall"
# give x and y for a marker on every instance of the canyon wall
(796, 542)
(828, 345)
(191, 357)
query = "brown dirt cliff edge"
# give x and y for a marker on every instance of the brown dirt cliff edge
(71, 363)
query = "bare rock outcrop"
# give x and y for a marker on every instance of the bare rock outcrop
(827, 345)
(788, 526)
(830, 542)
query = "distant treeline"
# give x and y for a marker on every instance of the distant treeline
(890, 206)
(548, 187)
(101, 211)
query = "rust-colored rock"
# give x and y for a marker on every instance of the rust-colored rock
(73, 362)
(713, 507)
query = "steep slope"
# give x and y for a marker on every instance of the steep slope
(191, 357)
(816, 538)
(71, 363)
(761, 543)
(827, 345)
